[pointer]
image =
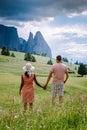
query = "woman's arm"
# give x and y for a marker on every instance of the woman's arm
(22, 82)
(35, 80)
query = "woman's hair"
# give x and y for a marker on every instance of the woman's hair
(27, 74)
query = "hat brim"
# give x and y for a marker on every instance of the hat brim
(30, 69)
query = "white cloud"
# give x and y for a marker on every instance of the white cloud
(35, 26)
(49, 32)
(72, 51)
(72, 15)
(84, 12)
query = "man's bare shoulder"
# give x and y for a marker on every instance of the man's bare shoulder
(64, 64)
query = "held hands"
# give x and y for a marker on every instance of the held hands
(44, 87)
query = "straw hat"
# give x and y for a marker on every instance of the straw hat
(28, 67)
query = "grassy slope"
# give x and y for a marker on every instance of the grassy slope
(44, 114)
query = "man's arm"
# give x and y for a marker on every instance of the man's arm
(67, 76)
(48, 79)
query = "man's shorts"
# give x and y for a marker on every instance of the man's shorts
(57, 88)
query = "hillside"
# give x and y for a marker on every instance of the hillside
(41, 66)
(18, 62)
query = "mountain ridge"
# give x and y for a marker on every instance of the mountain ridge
(35, 44)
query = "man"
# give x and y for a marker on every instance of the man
(60, 75)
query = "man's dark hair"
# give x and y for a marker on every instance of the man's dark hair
(59, 58)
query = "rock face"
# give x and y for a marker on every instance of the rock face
(38, 45)
(22, 45)
(30, 43)
(9, 37)
(35, 45)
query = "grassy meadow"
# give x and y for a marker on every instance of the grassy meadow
(71, 115)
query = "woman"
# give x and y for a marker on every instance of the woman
(27, 86)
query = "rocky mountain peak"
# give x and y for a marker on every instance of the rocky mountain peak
(35, 44)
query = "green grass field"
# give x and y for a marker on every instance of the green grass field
(72, 115)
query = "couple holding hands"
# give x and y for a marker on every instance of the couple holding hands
(58, 72)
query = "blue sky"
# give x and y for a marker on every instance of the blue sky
(62, 23)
